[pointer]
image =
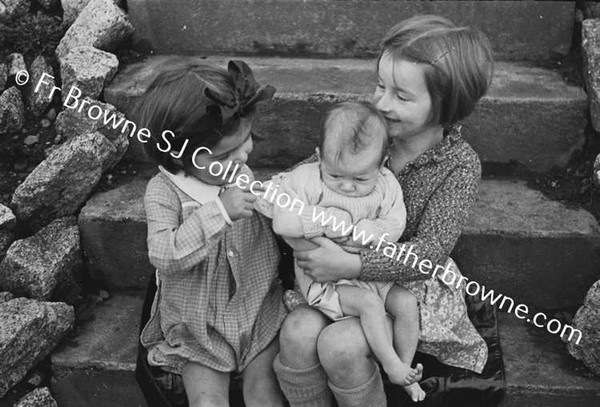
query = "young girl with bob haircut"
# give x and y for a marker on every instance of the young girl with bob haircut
(218, 305)
(430, 75)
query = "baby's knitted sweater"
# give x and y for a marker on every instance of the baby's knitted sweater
(379, 213)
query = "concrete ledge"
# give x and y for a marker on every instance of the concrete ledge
(530, 115)
(517, 242)
(97, 388)
(524, 245)
(114, 240)
(518, 30)
(539, 371)
(107, 342)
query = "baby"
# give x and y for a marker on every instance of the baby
(351, 198)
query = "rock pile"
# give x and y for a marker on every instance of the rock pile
(45, 263)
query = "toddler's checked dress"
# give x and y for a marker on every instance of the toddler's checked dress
(219, 302)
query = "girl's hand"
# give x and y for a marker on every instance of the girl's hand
(328, 262)
(238, 202)
(342, 240)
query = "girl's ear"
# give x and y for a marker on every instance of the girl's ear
(318, 152)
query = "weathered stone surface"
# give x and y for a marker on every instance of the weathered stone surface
(106, 341)
(7, 218)
(16, 63)
(29, 330)
(61, 183)
(591, 70)
(516, 240)
(7, 225)
(5, 296)
(12, 110)
(516, 227)
(539, 370)
(587, 320)
(14, 9)
(71, 10)
(40, 397)
(3, 76)
(44, 266)
(89, 70)
(518, 30)
(107, 221)
(40, 72)
(73, 122)
(530, 115)
(101, 24)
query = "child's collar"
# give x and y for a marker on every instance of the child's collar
(199, 191)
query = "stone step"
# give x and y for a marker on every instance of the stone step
(518, 30)
(530, 115)
(517, 242)
(95, 367)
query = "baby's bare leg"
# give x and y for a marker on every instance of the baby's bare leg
(402, 305)
(204, 386)
(369, 307)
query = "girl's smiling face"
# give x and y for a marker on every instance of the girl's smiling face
(233, 149)
(402, 97)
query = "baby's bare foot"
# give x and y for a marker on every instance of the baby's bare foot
(415, 392)
(419, 370)
(402, 374)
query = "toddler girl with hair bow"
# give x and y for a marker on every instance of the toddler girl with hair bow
(218, 306)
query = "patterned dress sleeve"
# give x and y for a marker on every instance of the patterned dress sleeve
(173, 246)
(440, 226)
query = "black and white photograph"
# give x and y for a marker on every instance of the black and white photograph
(299, 203)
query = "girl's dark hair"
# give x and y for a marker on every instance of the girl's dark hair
(458, 62)
(177, 100)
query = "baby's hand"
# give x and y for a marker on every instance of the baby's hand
(338, 217)
(238, 202)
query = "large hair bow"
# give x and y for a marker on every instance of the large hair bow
(246, 93)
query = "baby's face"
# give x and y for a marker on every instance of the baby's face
(354, 175)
